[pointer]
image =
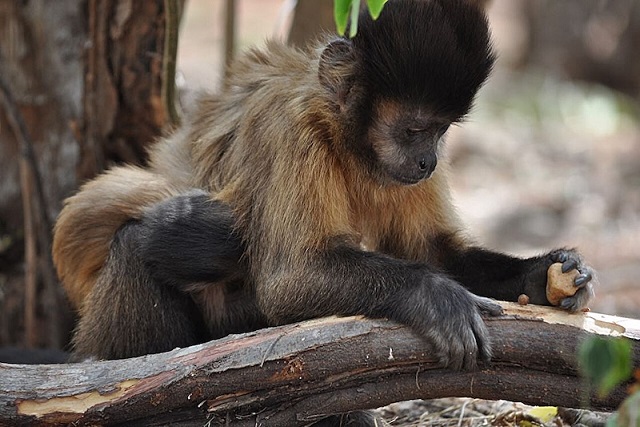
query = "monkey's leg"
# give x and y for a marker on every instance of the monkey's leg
(142, 302)
(496, 275)
(128, 313)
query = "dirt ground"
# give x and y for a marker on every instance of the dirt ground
(466, 412)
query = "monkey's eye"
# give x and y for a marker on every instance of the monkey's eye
(415, 131)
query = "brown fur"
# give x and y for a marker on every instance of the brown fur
(323, 162)
(303, 188)
(90, 219)
(298, 195)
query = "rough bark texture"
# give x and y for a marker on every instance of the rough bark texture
(123, 109)
(293, 374)
(86, 79)
(41, 48)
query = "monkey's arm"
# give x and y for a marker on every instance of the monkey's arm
(497, 275)
(348, 281)
(189, 239)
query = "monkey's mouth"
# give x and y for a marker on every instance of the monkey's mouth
(408, 175)
(405, 179)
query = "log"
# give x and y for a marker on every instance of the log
(293, 374)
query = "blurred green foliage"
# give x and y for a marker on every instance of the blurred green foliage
(606, 362)
(346, 12)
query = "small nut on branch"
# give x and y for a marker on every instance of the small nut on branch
(560, 285)
(523, 299)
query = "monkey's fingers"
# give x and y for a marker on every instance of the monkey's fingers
(457, 356)
(570, 264)
(470, 342)
(482, 338)
(448, 342)
(583, 278)
(580, 300)
(488, 306)
(571, 260)
(476, 343)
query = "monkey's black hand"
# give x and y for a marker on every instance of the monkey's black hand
(448, 315)
(190, 239)
(536, 279)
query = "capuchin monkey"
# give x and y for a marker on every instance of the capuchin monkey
(313, 185)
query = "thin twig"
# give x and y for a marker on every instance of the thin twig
(229, 33)
(464, 406)
(172, 22)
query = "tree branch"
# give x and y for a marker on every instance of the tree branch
(293, 374)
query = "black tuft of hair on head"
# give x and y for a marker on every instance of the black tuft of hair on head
(426, 52)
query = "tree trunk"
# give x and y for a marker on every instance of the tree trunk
(41, 68)
(86, 79)
(293, 374)
(310, 19)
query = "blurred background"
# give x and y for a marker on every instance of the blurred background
(550, 155)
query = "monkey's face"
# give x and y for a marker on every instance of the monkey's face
(405, 142)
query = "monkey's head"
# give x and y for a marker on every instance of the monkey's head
(403, 80)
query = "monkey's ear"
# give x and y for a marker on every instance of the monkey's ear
(337, 67)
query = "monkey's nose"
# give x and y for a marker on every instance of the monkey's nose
(425, 165)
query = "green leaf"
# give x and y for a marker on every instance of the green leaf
(606, 362)
(375, 7)
(341, 14)
(355, 12)
(347, 12)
